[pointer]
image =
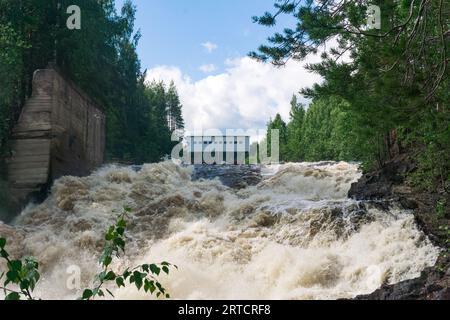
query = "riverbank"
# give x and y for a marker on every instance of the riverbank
(389, 185)
(294, 235)
(296, 228)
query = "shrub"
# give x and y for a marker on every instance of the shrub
(24, 273)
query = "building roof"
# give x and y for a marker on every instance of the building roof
(209, 136)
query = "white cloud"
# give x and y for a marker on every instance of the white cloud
(245, 96)
(209, 46)
(208, 68)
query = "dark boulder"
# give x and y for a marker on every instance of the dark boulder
(433, 284)
(378, 184)
(386, 186)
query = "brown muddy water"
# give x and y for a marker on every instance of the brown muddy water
(279, 232)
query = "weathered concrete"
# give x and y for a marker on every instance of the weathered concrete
(61, 131)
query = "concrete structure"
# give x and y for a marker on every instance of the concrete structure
(61, 131)
(218, 149)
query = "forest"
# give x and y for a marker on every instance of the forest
(389, 96)
(300, 232)
(393, 85)
(101, 58)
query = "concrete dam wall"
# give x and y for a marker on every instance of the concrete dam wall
(61, 131)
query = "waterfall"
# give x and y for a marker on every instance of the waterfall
(293, 235)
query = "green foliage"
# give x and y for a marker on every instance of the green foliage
(432, 134)
(101, 58)
(174, 109)
(327, 130)
(440, 208)
(143, 276)
(393, 80)
(280, 125)
(445, 233)
(5, 201)
(164, 116)
(11, 45)
(24, 273)
(294, 147)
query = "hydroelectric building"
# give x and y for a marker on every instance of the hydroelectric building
(218, 149)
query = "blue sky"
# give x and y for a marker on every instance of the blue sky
(173, 31)
(220, 88)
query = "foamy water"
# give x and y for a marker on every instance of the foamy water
(293, 236)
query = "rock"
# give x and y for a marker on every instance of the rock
(386, 186)
(381, 205)
(402, 189)
(80, 226)
(431, 285)
(265, 219)
(232, 176)
(66, 204)
(119, 177)
(371, 187)
(197, 194)
(408, 203)
(380, 183)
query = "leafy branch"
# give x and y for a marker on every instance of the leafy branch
(143, 276)
(24, 274)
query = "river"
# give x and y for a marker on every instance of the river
(279, 232)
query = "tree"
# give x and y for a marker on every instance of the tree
(317, 132)
(280, 125)
(101, 58)
(174, 109)
(294, 131)
(394, 80)
(160, 134)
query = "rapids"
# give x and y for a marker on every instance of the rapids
(293, 235)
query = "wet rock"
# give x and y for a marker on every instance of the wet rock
(66, 204)
(408, 203)
(175, 201)
(381, 205)
(162, 205)
(265, 219)
(81, 226)
(387, 186)
(379, 184)
(232, 176)
(370, 187)
(197, 194)
(119, 177)
(433, 284)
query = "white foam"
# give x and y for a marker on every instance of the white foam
(294, 236)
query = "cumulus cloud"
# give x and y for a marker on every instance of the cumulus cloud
(208, 68)
(245, 96)
(209, 46)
